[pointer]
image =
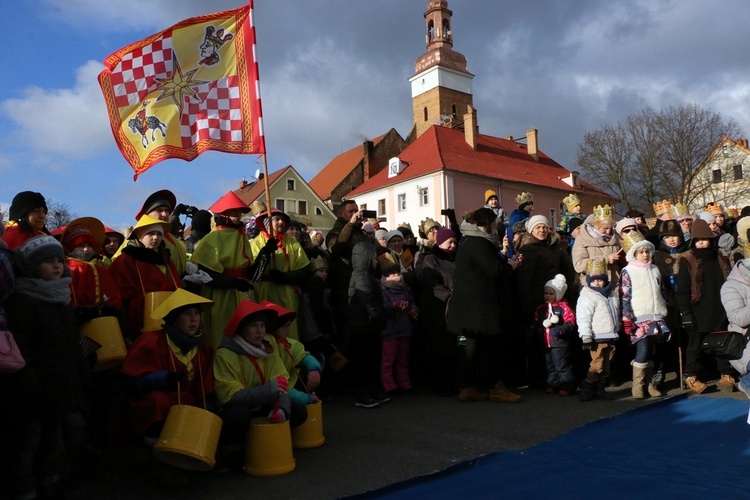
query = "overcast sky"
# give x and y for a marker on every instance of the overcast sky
(335, 72)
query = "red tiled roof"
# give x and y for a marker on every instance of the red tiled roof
(441, 148)
(337, 169)
(253, 191)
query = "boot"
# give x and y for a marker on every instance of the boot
(726, 384)
(639, 379)
(587, 391)
(652, 389)
(601, 391)
(501, 394)
(471, 393)
(694, 384)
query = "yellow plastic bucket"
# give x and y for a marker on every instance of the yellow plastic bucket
(310, 434)
(269, 449)
(152, 300)
(189, 438)
(106, 332)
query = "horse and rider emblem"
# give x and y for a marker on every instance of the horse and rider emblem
(143, 122)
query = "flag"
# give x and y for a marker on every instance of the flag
(188, 89)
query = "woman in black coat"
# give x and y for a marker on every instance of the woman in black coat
(478, 306)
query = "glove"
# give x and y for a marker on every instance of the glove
(588, 344)
(242, 285)
(688, 323)
(401, 304)
(191, 268)
(283, 383)
(179, 209)
(276, 276)
(270, 247)
(172, 379)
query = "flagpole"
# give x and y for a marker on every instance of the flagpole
(268, 194)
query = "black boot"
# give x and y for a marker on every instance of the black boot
(601, 391)
(587, 391)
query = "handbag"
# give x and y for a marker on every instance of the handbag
(724, 344)
(10, 355)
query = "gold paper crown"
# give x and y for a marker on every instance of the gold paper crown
(715, 208)
(427, 224)
(596, 267)
(524, 197)
(677, 210)
(603, 213)
(631, 239)
(661, 207)
(732, 212)
(257, 207)
(319, 263)
(571, 201)
(746, 250)
(387, 261)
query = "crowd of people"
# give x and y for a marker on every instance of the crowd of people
(258, 315)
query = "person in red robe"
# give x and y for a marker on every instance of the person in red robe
(144, 266)
(27, 216)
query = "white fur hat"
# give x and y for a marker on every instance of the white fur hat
(630, 256)
(536, 220)
(559, 285)
(626, 222)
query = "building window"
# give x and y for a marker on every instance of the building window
(425, 113)
(737, 172)
(553, 217)
(280, 205)
(401, 202)
(290, 184)
(717, 176)
(291, 206)
(318, 211)
(302, 207)
(381, 207)
(424, 196)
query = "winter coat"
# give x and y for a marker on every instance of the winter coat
(598, 317)
(479, 303)
(295, 358)
(340, 241)
(642, 298)
(588, 247)
(701, 276)
(399, 323)
(365, 299)
(542, 260)
(557, 334)
(735, 296)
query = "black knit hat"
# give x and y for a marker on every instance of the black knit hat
(24, 202)
(633, 213)
(573, 223)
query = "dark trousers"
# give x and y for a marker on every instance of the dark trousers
(559, 368)
(479, 364)
(693, 354)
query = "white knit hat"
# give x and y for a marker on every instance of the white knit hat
(707, 216)
(536, 220)
(559, 285)
(626, 222)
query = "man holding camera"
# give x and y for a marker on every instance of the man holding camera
(160, 205)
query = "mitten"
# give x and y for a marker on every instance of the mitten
(277, 416)
(588, 344)
(242, 285)
(283, 383)
(270, 247)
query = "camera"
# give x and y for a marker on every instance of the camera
(369, 214)
(190, 210)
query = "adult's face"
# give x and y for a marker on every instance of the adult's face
(348, 211)
(396, 243)
(448, 245)
(278, 225)
(686, 224)
(294, 232)
(603, 227)
(432, 233)
(540, 231)
(719, 219)
(161, 213)
(37, 217)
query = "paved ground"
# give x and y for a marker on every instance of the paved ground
(413, 435)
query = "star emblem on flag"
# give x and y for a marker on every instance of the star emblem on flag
(179, 85)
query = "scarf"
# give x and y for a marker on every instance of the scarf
(182, 341)
(49, 291)
(248, 348)
(604, 290)
(640, 265)
(469, 229)
(596, 234)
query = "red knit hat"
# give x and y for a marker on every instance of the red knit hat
(83, 230)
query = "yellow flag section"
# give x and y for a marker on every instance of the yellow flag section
(188, 89)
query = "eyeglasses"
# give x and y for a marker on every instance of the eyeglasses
(627, 230)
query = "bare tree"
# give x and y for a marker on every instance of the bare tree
(651, 156)
(58, 214)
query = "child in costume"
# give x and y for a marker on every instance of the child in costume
(598, 320)
(555, 321)
(299, 363)
(644, 309)
(251, 380)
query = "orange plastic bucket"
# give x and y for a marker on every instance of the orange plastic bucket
(310, 434)
(106, 332)
(189, 438)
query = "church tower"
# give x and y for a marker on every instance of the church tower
(441, 86)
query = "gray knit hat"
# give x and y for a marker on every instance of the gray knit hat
(40, 248)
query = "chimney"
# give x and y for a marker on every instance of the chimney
(532, 143)
(367, 147)
(471, 128)
(243, 183)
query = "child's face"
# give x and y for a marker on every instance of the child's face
(671, 241)
(643, 255)
(394, 276)
(152, 239)
(51, 269)
(189, 321)
(550, 296)
(253, 333)
(83, 247)
(110, 246)
(719, 219)
(322, 274)
(282, 332)
(599, 283)
(702, 243)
